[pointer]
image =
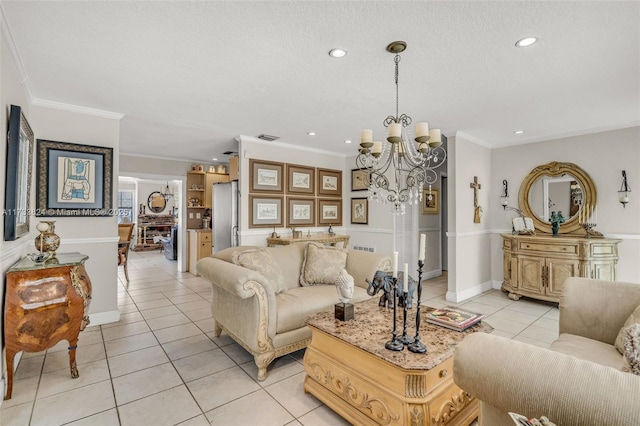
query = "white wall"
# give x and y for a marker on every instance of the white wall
(96, 237)
(469, 242)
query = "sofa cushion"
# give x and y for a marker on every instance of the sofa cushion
(261, 261)
(631, 340)
(296, 304)
(634, 318)
(290, 260)
(322, 264)
(588, 349)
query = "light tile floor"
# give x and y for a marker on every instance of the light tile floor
(162, 365)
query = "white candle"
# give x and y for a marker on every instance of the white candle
(394, 274)
(366, 135)
(395, 129)
(422, 129)
(423, 241)
(435, 136)
(377, 147)
(405, 280)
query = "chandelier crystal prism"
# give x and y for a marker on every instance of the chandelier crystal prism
(397, 170)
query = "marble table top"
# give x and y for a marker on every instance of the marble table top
(372, 326)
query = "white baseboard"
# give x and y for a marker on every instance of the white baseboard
(497, 284)
(466, 294)
(431, 274)
(104, 318)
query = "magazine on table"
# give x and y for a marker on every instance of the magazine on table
(453, 317)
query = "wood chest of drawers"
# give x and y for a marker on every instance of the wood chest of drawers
(45, 304)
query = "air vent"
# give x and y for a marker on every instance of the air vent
(268, 137)
(229, 152)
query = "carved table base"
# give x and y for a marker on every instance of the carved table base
(366, 389)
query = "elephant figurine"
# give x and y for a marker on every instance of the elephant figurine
(383, 281)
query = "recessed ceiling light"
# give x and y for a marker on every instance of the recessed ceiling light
(519, 132)
(214, 159)
(347, 141)
(311, 133)
(527, 41)
(337, 53)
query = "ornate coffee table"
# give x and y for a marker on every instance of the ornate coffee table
(349, 369)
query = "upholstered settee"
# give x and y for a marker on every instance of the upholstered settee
(258, 298)
(578, 381)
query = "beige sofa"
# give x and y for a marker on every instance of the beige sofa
(577, 382)
(268, 325)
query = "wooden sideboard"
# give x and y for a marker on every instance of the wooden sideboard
(537, 265)
(43, 305)
(319, 238)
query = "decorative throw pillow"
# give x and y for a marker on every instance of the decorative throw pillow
(322, 264)
(261, 261)
(634, 318)
(631, 340)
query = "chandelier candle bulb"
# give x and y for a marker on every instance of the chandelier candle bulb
(366, 135)
(377, 148)
(395, 132)
(423, 241)
(422, 132)
(394, 274)
(435, 138)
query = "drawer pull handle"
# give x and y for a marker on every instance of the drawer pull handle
(443, 373)
(527, 245)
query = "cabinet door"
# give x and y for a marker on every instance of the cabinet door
(558, 270)
(530, 270)
(603, 270)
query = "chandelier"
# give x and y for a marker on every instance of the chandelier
(166, 192)
(412, 165)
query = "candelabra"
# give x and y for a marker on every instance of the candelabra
(394, 344)
(405, 339)
(417, 346)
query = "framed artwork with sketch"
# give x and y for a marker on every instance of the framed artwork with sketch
(330, 183)
(360, 210)
(265, 211)
(301, 180)
(359, 179)
(266, 176)
(301, 211)
(74, 180)
(329, 212)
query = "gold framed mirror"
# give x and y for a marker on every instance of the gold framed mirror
(156, 202)
(554, 187)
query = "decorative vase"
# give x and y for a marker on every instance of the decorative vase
(48, 241)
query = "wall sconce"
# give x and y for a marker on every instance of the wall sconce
(505, 193)
(505, 199)
(623, 194)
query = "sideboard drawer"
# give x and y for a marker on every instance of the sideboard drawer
(552, 248)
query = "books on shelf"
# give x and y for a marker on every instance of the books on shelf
(454, 318)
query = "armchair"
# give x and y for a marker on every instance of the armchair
(578, 381)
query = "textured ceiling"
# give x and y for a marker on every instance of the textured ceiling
(191, 76)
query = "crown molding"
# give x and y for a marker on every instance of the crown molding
(76, 108)
(473, 139)
(183, 160)
(15, 56)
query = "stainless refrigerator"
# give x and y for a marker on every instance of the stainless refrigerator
(224, 221)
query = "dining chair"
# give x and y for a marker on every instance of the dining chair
(125, 231)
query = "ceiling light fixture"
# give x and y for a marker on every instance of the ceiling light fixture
(527, 41)
(347, 141)
(412, 165)
(311, 133)
(519, 132)
(337, 53)
(167, 193)
(214, 159)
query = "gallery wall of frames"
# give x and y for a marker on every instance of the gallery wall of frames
(292, 195)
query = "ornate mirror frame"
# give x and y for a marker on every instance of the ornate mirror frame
(156, 208)
(555, 169)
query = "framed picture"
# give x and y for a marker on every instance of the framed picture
(18, 178)
(301, 180)
(329, 212)
(330, 182)
(266, 176)
(430, 201)
(74, 180)
(301, 211)
(359, 179)
(265, 211)
(360, 210)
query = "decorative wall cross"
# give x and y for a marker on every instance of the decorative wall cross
(477, 209)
